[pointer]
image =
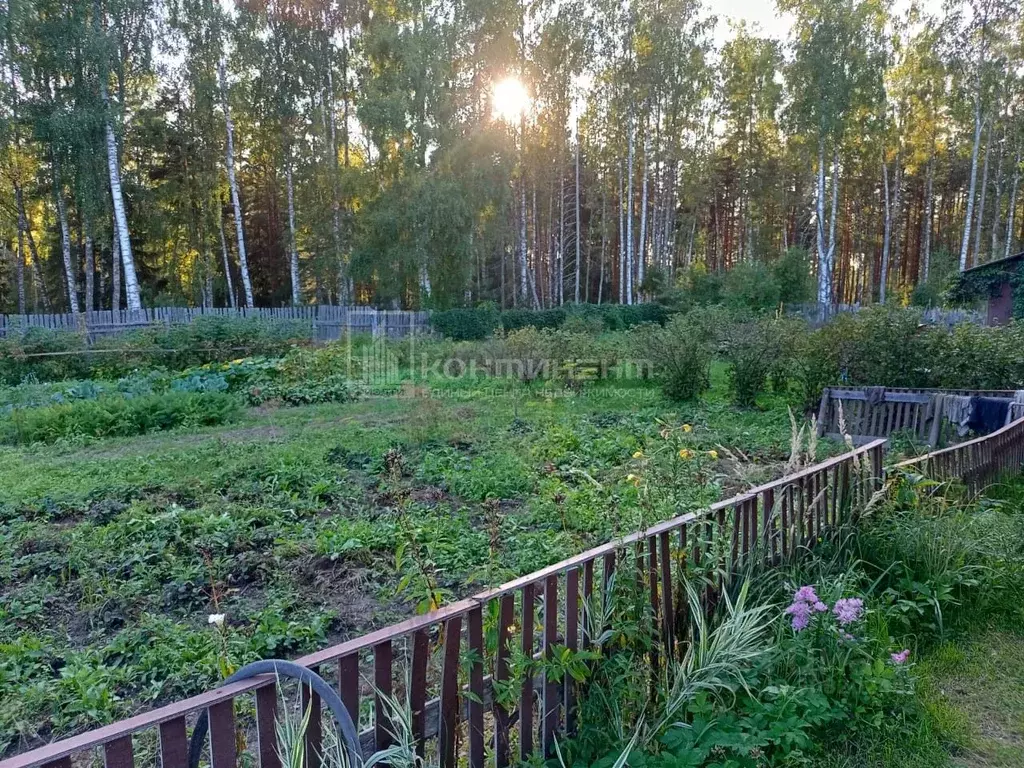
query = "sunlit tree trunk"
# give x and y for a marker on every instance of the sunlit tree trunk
(982, 194)
(1013, 207)
(293, 250)
(90, 272)
(578, 251)
(641, 254)
(243, 262)
(972, 187)
(629, 212)
(65, 240)
(227, 261)
(115, 272)
(926, 218)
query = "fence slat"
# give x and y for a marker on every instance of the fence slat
(418, 688)
(477, 752)
(526, 696)
(174, 744)
(266, 727)
(572, 617)
(382, 661)
(118, 753)
(222, 734)
(450, 692)
(506, 615)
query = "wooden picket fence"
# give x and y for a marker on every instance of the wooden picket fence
(325, 322)
(463, 720)
(867, 416)
(977, 463)
(818, 314)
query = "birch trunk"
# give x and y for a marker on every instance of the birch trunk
(826, 240)
(90, 272)
(629, 213)
(604, 242)
(622, 240)
(998, 203)
(1013, 206)
(926, 219)
(65, 241)
(972, 187)
(886, 233)
(641, 254)
(131, 282)
(19, 270)
(982, 194)
(335, 196)
(578, 249)
(523, 278)
(243, 262)
(293, 250)
(227, 261)
(115, 273)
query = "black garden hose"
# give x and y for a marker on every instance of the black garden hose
(292, 671)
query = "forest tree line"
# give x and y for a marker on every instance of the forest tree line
(270, 152)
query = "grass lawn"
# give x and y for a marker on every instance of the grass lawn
(114, 553)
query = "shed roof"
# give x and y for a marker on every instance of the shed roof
(1004, 262)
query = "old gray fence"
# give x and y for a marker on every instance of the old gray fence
(325, 322)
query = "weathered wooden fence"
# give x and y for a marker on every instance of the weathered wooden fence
(455, 665)
(977, 463)
(325, 322)
(868, 413)
(819, 314)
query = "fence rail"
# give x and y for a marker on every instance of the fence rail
(976, 462)
(325, 322)
(523, 619)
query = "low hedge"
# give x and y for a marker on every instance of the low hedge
(467, 324)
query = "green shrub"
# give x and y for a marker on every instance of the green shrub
(751, 350)
(465, 324)
(514, 319)
(118, 416)
(751, 285)
(792, 273)
(681, 358)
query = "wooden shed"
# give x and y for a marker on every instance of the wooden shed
(994, 282)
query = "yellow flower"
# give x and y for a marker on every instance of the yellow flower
(713, 454)
(633, 479)
(687, 428)
(638, 455)
(685, 453)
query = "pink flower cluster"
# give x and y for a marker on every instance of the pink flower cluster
(805, 604)
(901, 657)
(848, 610)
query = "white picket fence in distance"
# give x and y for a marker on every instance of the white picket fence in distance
(819, 314)
(325, 322)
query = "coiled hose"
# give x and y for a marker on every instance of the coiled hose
(293, 671)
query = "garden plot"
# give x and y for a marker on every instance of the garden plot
(308, 525)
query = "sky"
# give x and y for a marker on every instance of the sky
(764, 14)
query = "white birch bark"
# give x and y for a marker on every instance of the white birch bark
(578, 249)
(90, 273)
(65, 242)
(622, 239)
(131, 282)
(641, 252)
(1008, 245)
(982, 194)
(972, 187)
(523, 269)
(997, 203)
(115, 272)
(227, 261)
(926, 219)
(629, 213)
(293, 249)
(883, 278)
(243, 262)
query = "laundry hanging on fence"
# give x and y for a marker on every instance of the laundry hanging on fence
(959, 409)
(988, 414)
(875, 395)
